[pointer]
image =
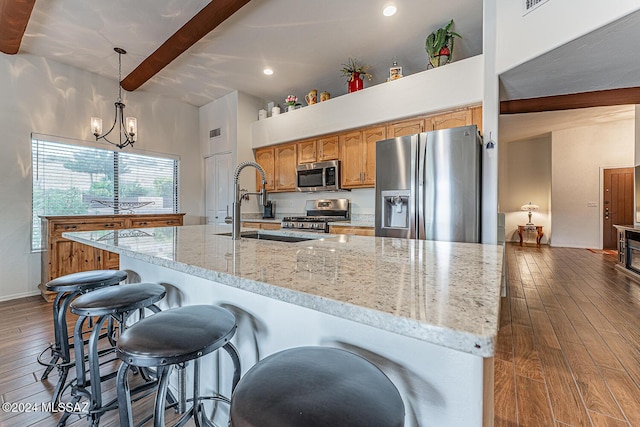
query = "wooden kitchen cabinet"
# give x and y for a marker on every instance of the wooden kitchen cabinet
(265, 157)
(353, 230)
(307, 151)
(61, 256)
(359, 157)
(352, 160)
(328, 148)
(261, 225)
(405, 127)
(450, 120)
(286, 160)
(355, 149)
(319, 150)
(279, 163)
(476, 117)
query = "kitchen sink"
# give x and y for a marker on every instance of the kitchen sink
(273, 237)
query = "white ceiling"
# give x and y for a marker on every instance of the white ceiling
(304, 41)
(515, 127)
(606, 58)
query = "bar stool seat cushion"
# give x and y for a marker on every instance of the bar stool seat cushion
(118, 299)
(86, 280)
(316, 387)
(176, 335)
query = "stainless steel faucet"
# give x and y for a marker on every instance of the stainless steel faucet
(243, 194)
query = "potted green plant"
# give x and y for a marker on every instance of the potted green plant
(439, 45)
(355, 72)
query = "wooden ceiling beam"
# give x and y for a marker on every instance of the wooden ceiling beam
(599, 98)
(199, 26)
(14, 17)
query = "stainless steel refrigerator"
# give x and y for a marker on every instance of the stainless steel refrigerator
(428, 185)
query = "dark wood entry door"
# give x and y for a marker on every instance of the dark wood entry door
(618, 206)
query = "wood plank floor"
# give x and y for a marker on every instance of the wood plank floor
(568, 351)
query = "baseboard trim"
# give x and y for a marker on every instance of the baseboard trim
(22, 295)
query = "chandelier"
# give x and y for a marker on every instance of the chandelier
(127, 127)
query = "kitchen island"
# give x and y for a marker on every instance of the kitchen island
(425, 312)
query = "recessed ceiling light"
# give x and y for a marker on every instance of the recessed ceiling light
(268, 71)
(389, 10)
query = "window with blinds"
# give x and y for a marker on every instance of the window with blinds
(71, 179)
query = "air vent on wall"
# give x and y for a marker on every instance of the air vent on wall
(214, 132)
(529, 5)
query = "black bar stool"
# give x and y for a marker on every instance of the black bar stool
(174, 337)
(316, 387)
(68, 287)
(117, 303)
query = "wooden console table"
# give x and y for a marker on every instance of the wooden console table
(536, 228)
(61, 256)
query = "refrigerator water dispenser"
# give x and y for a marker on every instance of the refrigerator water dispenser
(395, 210)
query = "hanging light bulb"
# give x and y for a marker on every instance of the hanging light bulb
(127, 128)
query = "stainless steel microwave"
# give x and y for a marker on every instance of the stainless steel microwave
(319, 176)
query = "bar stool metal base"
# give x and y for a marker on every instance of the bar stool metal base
(68, 288)
(114, 303)
(175, 337)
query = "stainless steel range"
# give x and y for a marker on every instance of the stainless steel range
(319, 214)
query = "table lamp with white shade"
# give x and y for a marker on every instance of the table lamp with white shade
(529, 208)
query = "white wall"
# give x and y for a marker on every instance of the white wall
(233, 114)
(577, 159)
(525, 176)
(549, 26)
(46, 97)
(363, 201)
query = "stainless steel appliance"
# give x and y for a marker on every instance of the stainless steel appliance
(428, 186)
(319, 176)
(319, 213)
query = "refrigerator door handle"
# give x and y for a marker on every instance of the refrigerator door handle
(422, 164)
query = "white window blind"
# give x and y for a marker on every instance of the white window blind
(71, 179)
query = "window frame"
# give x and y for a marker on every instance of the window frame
(37, 138)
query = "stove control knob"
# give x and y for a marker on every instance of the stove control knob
(301, 225)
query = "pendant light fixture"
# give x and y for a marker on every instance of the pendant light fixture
(127, 128)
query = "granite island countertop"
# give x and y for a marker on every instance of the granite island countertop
(440, 292)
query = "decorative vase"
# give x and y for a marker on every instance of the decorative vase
(355, 83)
(291, 108)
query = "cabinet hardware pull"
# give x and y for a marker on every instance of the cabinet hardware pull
(70, 227)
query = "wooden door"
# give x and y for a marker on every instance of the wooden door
(286, 162)
(265, 157)
(351, 159)
(618, 206)
(328, 148)
(370, 137)
(307, 151)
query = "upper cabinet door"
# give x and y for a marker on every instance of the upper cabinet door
(404, 128)
(351, 165)
(307, 151)
(452, 120)
(328, 148)
(370, 137)
(286, 162)
(265, 157)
